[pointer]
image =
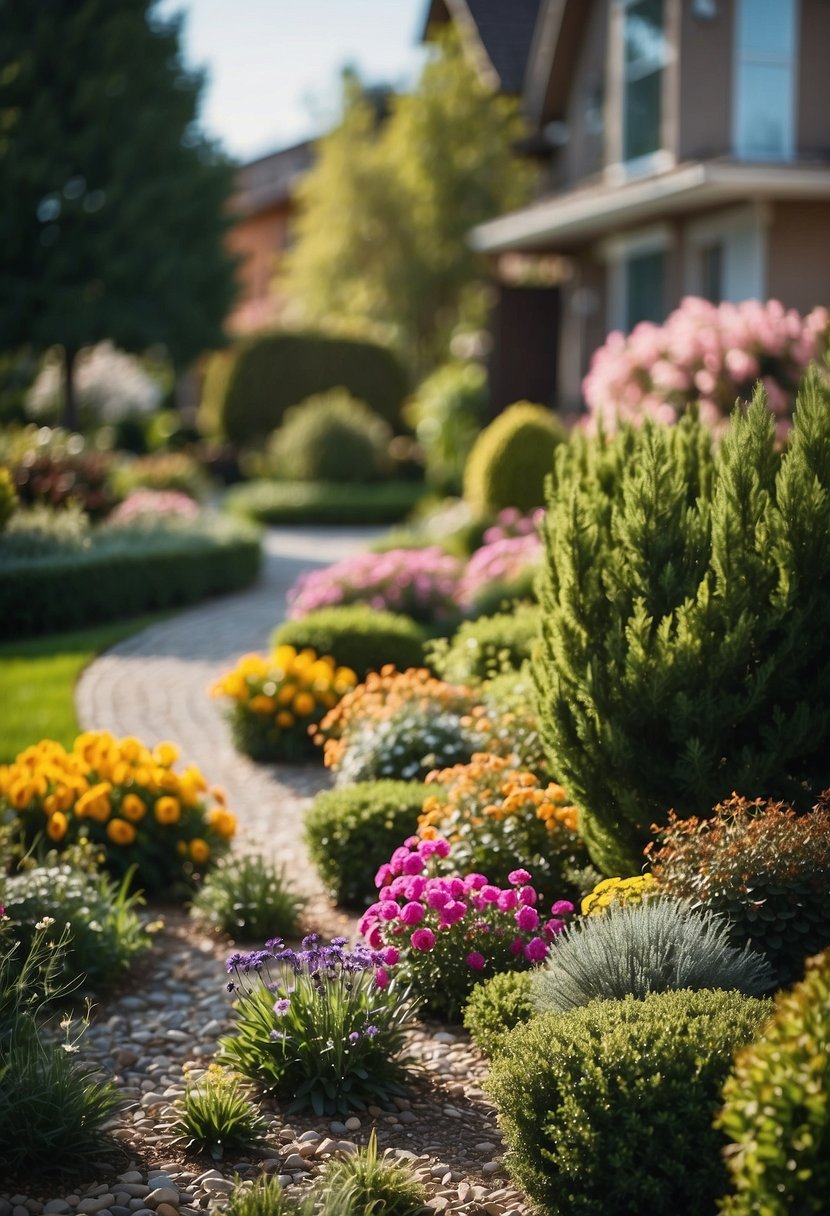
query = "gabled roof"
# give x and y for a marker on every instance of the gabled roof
(501, 32)
(552, 57)
(271, 179)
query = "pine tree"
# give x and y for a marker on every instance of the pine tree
(686, 634)
(114, 205)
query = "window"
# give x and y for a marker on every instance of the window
(725, 255)
(644, 56)
(711, 272)
(644, 278)
(765, 79)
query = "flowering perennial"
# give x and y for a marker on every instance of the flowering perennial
(613, 891)
(421, 583)
(321, 1024)
(711, 353)
(444, 932)
(510, 522)
(510, 562)
(145, 506)
(122, 796)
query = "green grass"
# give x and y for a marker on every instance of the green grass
(38, 677)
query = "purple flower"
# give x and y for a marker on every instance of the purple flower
(527, 895)
(354, 1036)
(475, 960)
(371, 1031)
(282, 1006)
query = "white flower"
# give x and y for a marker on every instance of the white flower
(45, 923)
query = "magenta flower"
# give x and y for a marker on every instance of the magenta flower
(535, 950)
(518, 877)
(489, 894)
(562, 907)
(391, 955)
(507, 900)
(389, 910)
(412, 913)
(527, 919)
(422, 939)
(413, 864)
(381, 978)
(527, 895)
(476, 960)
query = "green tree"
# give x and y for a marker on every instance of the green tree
(115, 205)
(386, 211)
(686, 621)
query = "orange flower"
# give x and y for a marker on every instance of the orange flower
(120, 832)
(57, 826)
(304, 704)
(166, 754)
(285, 719)
(199, 850)
(168, 810)
(222, 821)
(133, 807)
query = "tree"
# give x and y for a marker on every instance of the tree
(382, 234)
(115, 205)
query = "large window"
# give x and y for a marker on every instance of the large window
(765, 67)
(644, 287)
(644, 52)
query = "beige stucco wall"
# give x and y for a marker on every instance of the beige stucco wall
(798, 254)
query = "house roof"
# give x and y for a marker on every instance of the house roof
(562, 221)
(500, 31)
(271, 179)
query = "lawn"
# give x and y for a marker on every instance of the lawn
(37, 682)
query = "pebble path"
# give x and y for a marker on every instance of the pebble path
(154, 686)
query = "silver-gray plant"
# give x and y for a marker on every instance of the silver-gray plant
(655, 946)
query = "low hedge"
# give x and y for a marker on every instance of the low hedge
(319, 502)
(123, 573)
(352, 831)
(358, 637)
(487, 646)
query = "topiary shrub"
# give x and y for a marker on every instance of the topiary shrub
(270, 372)
(686, 615)
(357, 636)
(777, 1107)
(351, 832)
(331, 437)
(609, 1108)
(511, 458)
(496, 1006)
(653, 946)
(486, 647)
(764, 868)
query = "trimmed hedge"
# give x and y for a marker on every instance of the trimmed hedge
(511, 458)
(332, 437)
(357, 636)
(352, 831)
(497, 1006)
(486, 647)
(121, 575)
(320, 502)
(271, 372)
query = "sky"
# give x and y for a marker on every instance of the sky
(274, 65)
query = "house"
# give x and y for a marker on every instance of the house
(264, 202)
(685, 150)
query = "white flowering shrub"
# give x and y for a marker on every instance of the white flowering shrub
(110, 385)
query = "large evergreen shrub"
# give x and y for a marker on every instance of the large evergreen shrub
(607, 1110)
(273, 371)
(685, 647)
(511, 458)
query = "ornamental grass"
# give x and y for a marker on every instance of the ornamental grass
(123, 797)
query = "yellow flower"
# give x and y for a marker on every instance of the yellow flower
(57, 826)
(304, 704)
(222, 821)
(120, 832)
(166, 754)
(133, 807)
(262, 705)
(284, 656)
(168, 810)
(286, 694)
(95, 803)
(20, 794)
(199, 850)
(285, 719)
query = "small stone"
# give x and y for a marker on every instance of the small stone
(284, 1180)
(440, 1203)
(56, 1205)
(217, 1186)
(485, 1147)
(295, 1162)
(443, 1036)
(309, 1137)
(346, 1146)
(163, 1194)
(439, 1170)
(338, 1128)
(166, 1209)
(326, 1146)
(120, 1209)
(490, 1167)
(88, 1207)
(130, 1176)
(20, 1210)
(407, 1116)
(353, 1124)
(5, 1208)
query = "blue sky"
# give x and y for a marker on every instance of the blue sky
(274, 65)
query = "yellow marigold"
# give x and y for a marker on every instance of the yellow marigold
(287, 693)
(165, 779)
(120, 832)
(20, 794)
(166, 754)
(230, 685)
(167, 810)
(262, 705)
(285, 720)
(57, 826)
(304, 704)
(196, 777)
(95, 803)
(120, 773)
(222, 821)
(284, 656)
(133, 807)
(132, 750)
(618, 890)
(199, 850)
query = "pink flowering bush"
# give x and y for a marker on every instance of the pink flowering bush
(711, 353)
(502, 569)
(149, 506)
(511, 522)
(421, 583)
(442, 933)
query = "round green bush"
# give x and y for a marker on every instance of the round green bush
(511, 458)
(332, 437)
(358, 637)
(352, 831)
(270, 372)
(609, 1108)
(496, 1006)
(486, 647)
(777, 1107)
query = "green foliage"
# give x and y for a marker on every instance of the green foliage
(332, 437)
(609, 1108)
(386, 209)
(216, 1115)
(486, 647)
(511, 458)
(447, 411)
(635, 949)
(407, 745)
(162, 471)
(496, 1006)
(686, 617)
(214, 388)
(271, 372)
(777, 1107)
(372, 1184)
(351, 832)
(120, 574)
(510, 701)
(357, 636)
(106, 934)
(264, 1197)
(764, 868)
(249, 898)
(302, 502)
(8, 497)
(100, 244)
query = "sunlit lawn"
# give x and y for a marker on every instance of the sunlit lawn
(37, 682)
